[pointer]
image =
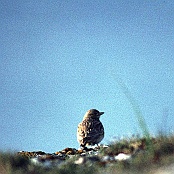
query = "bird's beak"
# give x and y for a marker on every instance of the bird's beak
(101, 113)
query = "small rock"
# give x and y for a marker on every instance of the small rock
(106, 158)
(122, 157)
(81, 160)
(80, 151)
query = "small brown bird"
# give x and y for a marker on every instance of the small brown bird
(90, 131)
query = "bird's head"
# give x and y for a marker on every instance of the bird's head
(93, 113)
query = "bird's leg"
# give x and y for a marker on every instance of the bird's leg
(98, 146)
(83, 147)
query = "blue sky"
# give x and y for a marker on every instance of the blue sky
(61, 58)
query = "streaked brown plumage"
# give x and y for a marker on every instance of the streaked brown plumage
(90, 131)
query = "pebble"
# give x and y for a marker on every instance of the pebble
(123, 157)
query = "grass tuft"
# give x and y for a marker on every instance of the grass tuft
(138, 113)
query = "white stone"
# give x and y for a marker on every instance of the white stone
(122, 157)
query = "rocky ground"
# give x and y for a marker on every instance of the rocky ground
(78, 156)
(135, 155)
(102, 154)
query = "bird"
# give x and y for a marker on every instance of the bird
(90, 131)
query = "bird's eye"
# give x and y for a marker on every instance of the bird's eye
(97, 113)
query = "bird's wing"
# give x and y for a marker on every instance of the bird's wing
(90, 128)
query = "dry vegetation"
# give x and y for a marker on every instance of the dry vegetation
(148, 156)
